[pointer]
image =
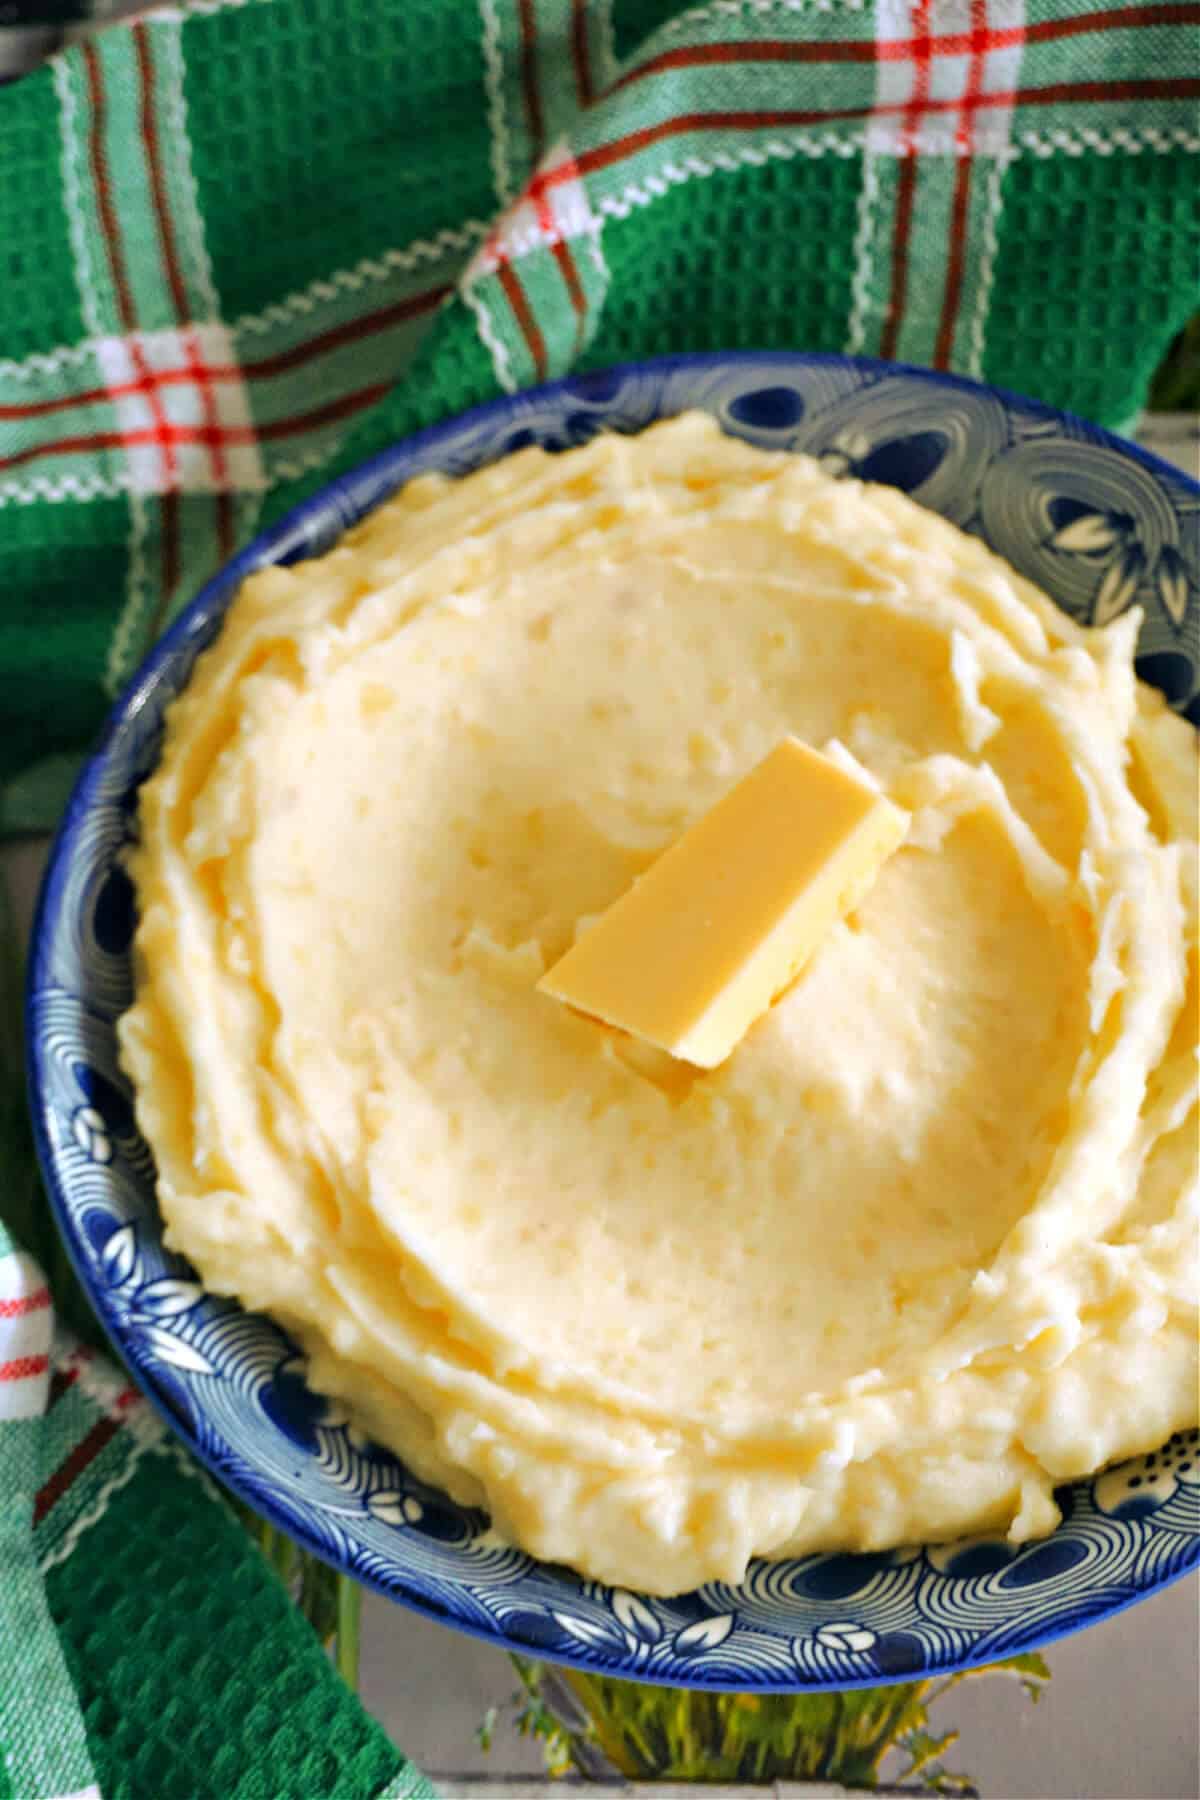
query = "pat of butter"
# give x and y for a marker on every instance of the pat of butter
(724, 921)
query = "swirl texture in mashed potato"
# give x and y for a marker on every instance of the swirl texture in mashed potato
(921, 1249)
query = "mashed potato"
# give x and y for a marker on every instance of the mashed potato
(922, 1248)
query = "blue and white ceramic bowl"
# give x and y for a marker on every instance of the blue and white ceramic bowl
(1093, 521)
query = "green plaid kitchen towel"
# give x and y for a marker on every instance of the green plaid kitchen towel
(248, 241)
(147, 1651)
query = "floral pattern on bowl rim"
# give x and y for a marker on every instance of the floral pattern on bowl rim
(1096, 522)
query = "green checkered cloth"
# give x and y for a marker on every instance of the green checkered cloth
(147, 1650)
(245, 243)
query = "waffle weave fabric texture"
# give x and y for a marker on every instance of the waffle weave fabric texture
(247, 242)
(148, 1649)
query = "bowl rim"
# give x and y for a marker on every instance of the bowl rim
(266, 548)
